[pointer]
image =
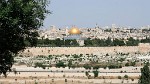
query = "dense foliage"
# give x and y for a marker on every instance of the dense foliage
(60, 64)
(40, 65)
(147, 40)
(95, 73)
(91, 42)
(19, 20)
(145, 75)
(86, 66)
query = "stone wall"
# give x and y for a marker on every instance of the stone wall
(34, 51)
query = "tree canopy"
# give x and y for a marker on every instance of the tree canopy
(145, 75)
(19, 20)
(90, 42)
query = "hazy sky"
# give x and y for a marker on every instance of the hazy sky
(86, 13)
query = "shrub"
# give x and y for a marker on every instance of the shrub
(119, 77)
(95, 73)
(121, 71)
(96, 67)
(127, 64)
(86, 73)
(65, 80)
(126, 76)
(60, 64)
(86, 66)
(52, 80)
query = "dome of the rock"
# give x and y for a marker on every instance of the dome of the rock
(74, 30)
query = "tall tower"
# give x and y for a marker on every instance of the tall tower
(53, 28)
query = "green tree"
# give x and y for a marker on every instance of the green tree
(70, 64)
(118, 42)
(94, 42)
(67, 42)
(19, 20)
(95, 73)
(96, 67)
(87, 73)
(60, 64)
(86, 66)
(145, 75)
(65, 80)
(127, 64)
(132, 42)
(88, 42)
(59, 42)
(46, 41)
(147, 40)
(119, 77)
(40, 65)
(133, 63)
(108, 30)
(126, 76)
(108, 42)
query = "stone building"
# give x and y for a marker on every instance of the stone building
(75, 34)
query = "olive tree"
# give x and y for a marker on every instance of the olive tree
(145, 75)
(19, 21)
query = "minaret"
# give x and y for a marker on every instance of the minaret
(66, 31)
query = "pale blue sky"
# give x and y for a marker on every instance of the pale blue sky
(86, 13)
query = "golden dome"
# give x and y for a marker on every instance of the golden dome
(74, 30)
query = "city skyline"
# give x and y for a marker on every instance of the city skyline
(103, 12)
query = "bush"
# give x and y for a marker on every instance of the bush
(96, 67)
(60, 64)
(43, 67)
(127, 64)
(52, 80)
(145, 74)
(39, 65)
(126, 76)
(120, 66)
(105, 67)
(86, 66)
(114, 66)
(133, 63)
(95, 73)
(121, 71)
(65, 80)
(87, 73)
(119, 77)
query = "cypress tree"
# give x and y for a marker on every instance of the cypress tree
(145, 75)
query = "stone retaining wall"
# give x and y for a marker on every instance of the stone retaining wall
(34, 51)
